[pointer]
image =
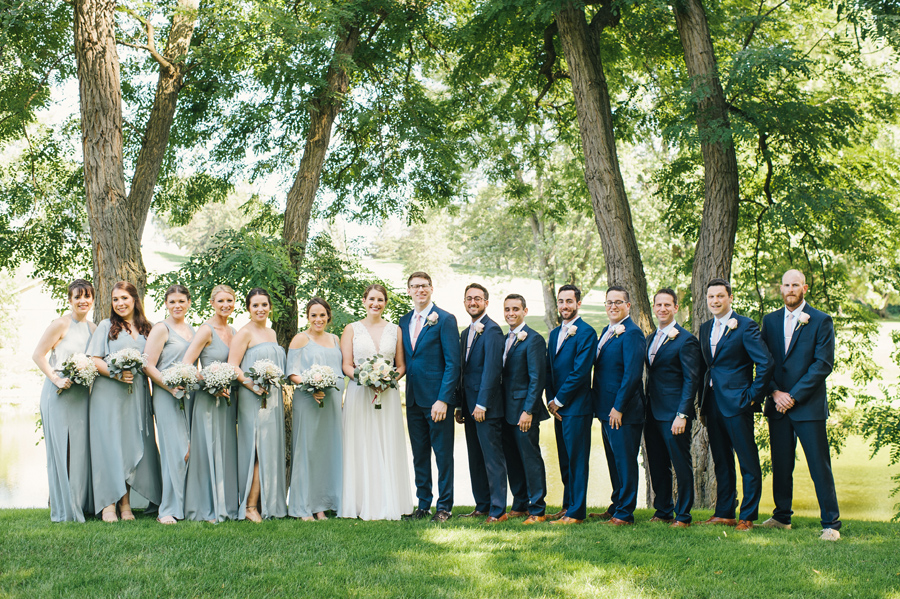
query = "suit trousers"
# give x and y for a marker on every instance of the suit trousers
(576, 434)
(622, 446)
(563, 458)
(487, 464)
(730, 436)
(425, 436)
(666, 452)
(783, 435)
(525, 468)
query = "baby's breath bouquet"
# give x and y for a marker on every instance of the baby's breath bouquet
(80, 369)
(217, 377)
(126, 360)
(181, 379)
(264, 374)
(318, 378)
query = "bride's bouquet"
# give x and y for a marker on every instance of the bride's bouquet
(181, 379)
(377, 372)
(80, 369)
(217, 377)
(264, 374)
(126, 360)
(318, 378)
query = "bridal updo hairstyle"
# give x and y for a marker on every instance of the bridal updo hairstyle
(117, 323)
(176, 288)
(379, 288)
(318, 301)
(219, 289)
(254, 292)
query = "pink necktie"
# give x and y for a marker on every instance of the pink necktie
(417, 330)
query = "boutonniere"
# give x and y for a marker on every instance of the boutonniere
(572, 331)
(802, 319)
(432, 319)
(673, 332)
(731, 324)
(619, 329)
(522, 335)
(479, 328)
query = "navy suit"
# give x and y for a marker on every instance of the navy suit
(618, 378)
(524, 373)
(432, 375)
(801, 372)
(569, 381)
(480, 386)
(672, 382)
(729, 397)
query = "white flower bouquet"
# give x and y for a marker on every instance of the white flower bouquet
(80, 369)
(181, 379)
(126, 360)
(318, 378)
(264, 374)
(217, 377)
(379, 373)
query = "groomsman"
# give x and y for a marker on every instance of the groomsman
(801, 340)
(481, 406)
(619, 401)
(731, 346)
(674, 364)
(432, 374)
(524, 371)
(570, 353)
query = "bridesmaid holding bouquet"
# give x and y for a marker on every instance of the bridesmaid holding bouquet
(64, 408)
(166, 346)
(123, 443)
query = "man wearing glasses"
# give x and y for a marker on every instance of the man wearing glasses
(432, 373)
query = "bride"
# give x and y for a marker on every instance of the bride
(376, 469)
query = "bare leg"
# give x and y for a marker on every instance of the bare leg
(125, 504)
(253, 496)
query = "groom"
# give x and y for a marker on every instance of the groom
(431, 346)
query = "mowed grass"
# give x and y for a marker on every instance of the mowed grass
(344, 558)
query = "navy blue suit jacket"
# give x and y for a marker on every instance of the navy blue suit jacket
(432, 369)
(524, 374)
(480, 382)
(674, 377)
(802, 370)
(731, 370)
(569, 370)
(619, 374)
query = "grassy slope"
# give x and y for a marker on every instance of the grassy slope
(341, 558)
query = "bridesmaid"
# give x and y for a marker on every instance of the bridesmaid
(212, 488)
(123, 445)
(166, 345)
(65, 415)
(261, 481)
(316, 474)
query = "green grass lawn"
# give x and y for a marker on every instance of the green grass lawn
(343, 558)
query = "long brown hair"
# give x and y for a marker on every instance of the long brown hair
(117, 323)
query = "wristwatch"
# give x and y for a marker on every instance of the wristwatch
(528, 412)
(685, 416)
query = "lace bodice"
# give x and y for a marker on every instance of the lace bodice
(364, 346)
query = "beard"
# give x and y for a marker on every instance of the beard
(793, 301)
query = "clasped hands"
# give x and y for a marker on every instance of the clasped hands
(783, 401)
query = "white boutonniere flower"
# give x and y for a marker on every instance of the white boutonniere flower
(572, 331)
(521, 335)
(673, 332)
(432, 319)
(619, 329)
(479, 328)
(732, 324)
(802, 319)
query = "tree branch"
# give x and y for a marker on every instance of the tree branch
(151, 43)
(759, 19)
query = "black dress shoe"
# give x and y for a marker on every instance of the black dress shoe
(474, 514)
(441, 516)
(417, 515)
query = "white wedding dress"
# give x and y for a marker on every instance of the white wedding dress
(376, 467)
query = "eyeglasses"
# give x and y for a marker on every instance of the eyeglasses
(616, 303)
(421, 286)
(474, 299)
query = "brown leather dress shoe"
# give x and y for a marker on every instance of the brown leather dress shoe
(473, 514)
(492, 520)
(679, 524)
(619, 522)
(534, 519)
(558, 515)
(517, 514)
(744, 525)
(604, 516)
(567, 520)
(658, 519)
(722, 521)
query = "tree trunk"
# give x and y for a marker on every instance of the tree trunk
(116, 248)
(162, 113)
(612, 213)
(715, 244)
(546, 272)
(323, 111)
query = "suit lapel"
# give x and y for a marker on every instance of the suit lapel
(705, 331)
(603, 348)
(795, 334)
(404, 332)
